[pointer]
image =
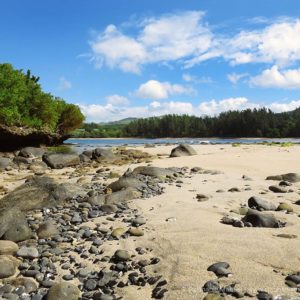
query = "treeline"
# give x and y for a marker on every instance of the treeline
(24, 103)
(248, 123)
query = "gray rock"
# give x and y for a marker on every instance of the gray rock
(122, 255)
(291, 177)
(103, 154)
(7, 267)
(183, 150)
(47, 230)
(122, 196)
(28, 252)
(63, 291)
(260, 204)
(13, 225)
(8, 247)
(39, 192)
(4, 162)
(61, 160)
(153, 171)
(278, 189)
(32, 152)
(294, 278)
(126, 182)
(258, 219)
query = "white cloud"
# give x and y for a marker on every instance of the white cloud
(185, 38)
(117, 100)
(273, 77)
(64, 84)
(157, 90)
(158, 40)
(194, 79)
(109, 112)
(281, 107)
(235, 77)
(118, 50)
(214, 107)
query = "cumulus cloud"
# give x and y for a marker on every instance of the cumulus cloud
(281, 107)
(109, 112)
(117, 100)
(273, 77)
(276, 43)
(185, 38)
(64, 84)
(158, 40)
(214, 107)
(157, 90)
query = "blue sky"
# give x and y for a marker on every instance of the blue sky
(138, 58)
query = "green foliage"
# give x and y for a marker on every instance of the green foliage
(61, 149)
(23, 103)
(247, 123)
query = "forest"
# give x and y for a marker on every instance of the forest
(23, 103)
(247, 123)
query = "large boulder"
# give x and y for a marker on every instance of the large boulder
(62, 291)
(153, 171)
(126, 182)
(39, 192)
(32, 152)
(183, 150)
(291, 177)
(258, 219)
(260, 204)
(61, 160)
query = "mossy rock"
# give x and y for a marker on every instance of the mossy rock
(285, 207)
(213, 296)
(136, 232)
(117, 232)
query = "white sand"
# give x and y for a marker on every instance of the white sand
(196, 239)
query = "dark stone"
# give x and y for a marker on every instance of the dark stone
(260, 204)
(258, 219)
(291, 177)
(61, 160)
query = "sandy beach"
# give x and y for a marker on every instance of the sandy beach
(187, 234)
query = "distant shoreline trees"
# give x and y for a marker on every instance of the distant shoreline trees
(247, 123)
(23, 103)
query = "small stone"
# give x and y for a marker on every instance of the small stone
(287, 236)
(285, 207)
(117, 232)
(136, 232)
(122, 255)
(90, 284)
(138, 221)
(28, 252)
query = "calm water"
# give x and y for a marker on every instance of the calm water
(83, 144)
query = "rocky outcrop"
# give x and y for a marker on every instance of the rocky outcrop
(12, 138)
(39, 192)
(183, 150)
